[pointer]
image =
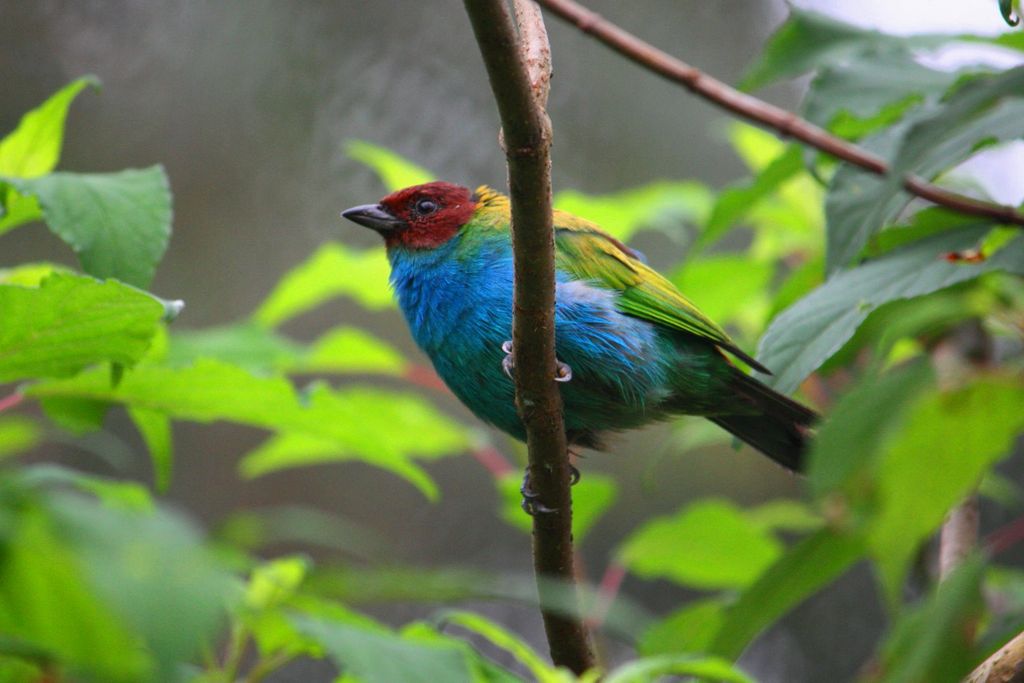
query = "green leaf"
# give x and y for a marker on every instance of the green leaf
(784, 515)
(874, 90)
(591, 497)
(260, 349)
(246, 345)
(272, 583)
(931, 642)
(959, 434)
(806, 334)
(357, 421)
(147, 567)
(700, 667)
(507, 641)
(288, 451)
(333, 271)
(350, 349)
(689, 629)
(33, 148)
(802, 571)
(850, 439)
(155, 429)
(17, 209)
(381, 657)
(117, 223)
(76, 415)
(729, 288)
(623, 213)
(30, 274)
(808, 40)
(46, 602)
(128, 496)
(18, 434)
(70, 322)
(710, 544)
(736, 201)
(1006, 10)
(986, 110)
(394, 171)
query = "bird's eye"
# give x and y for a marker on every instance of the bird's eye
(425, 207)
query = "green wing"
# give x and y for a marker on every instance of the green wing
(589, 253)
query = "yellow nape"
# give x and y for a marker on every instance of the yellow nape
(489, 197)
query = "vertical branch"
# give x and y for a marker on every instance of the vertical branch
(527, 140)
(959, 536)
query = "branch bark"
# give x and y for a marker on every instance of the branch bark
(527, 141)
(785, 123)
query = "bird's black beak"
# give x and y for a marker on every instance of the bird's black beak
(373, 216)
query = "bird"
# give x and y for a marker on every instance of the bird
(631, 348)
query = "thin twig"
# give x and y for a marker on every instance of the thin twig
(8, 402)
(785, 123)
(959, 536)
(1006, 665)
(527, 136)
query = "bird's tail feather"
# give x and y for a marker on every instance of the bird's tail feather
(779, 427)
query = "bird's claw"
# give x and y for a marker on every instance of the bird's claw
(508, 362)
(531, 505)
(563, 372)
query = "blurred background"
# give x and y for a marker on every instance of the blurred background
(248, 106)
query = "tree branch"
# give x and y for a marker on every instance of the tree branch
(527, 140)
(786, 124)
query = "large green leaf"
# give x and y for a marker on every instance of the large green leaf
(71, 321)
(33, 148)
(986, 110)
(17, 434)
(155, 429)
(379, 656)
(854, 97)
(931, 642)
(802, 571)
(807, 333)
(710, 544)
(622, 214)
(47, 604)
(117, 223)
(808, 40)
(333, 271)
(689, 629)
(254, 347)
(510, 643)
(736, 201)
(698, 667)
(148, 567)
(381, 427)
(948, 441)
(287, 451)
(850, 439)
(729, 288)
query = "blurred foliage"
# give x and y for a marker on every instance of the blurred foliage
(855, 293)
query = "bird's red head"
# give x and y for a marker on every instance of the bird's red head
(418, 217)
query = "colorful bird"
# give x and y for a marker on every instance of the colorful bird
(632, 349)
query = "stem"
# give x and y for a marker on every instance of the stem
(959, 536)
(785, 123)
(8, 402)
(527, 136)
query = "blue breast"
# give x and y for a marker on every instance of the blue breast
(457, 300)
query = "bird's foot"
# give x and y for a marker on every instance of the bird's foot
(509, 361)
(563, 373)
(531, 505)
